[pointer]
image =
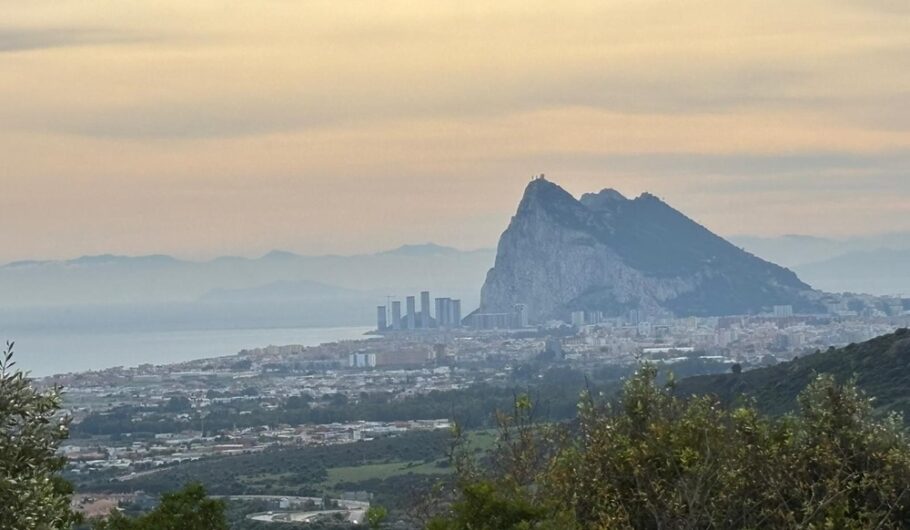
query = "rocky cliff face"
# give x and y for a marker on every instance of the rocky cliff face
(612, 254)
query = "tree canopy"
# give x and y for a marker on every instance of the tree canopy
(654, 460)
(32, 494)
(187, 509)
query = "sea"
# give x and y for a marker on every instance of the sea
(49, 354)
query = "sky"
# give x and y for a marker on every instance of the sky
(341, 126)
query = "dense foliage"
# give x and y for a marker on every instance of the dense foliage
(32, 496)
(187, 509)
(653, 460)
(880, 367)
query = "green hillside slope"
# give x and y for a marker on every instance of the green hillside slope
(880, 366)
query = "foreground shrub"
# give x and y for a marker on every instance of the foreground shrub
(655, 461)
(32, 494)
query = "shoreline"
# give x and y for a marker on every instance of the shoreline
(46, 356)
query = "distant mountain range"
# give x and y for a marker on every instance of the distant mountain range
(881, 272)
(876, 264)
(794, 250)
(881, 367)
(604, 252)
(110, 292)
(109, 279)
(278, 289)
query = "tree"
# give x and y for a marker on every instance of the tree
(488, 506)
(32, 494)
(653, 460)
(178, 404)
(187, 509)
(376, 515)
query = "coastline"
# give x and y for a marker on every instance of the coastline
(45, 355)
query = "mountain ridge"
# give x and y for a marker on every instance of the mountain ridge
(881, 272)
(607, 253)
(111, 279)
(410, 250)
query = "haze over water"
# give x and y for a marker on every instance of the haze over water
(48, 354)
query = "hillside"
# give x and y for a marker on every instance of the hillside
(881, 367)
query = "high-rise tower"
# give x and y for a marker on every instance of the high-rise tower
(425, 309)
(455, 313)
(396, 315)
(411, 317)
(441, 306)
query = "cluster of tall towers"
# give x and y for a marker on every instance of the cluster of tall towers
(448, 314)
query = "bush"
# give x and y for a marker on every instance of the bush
(654, 460)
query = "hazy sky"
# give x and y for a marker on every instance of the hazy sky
(200, 128)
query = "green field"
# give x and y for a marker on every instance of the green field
(481, 440)
(382, 471)
(475, 441)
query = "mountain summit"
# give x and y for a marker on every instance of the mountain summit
(608, 253)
